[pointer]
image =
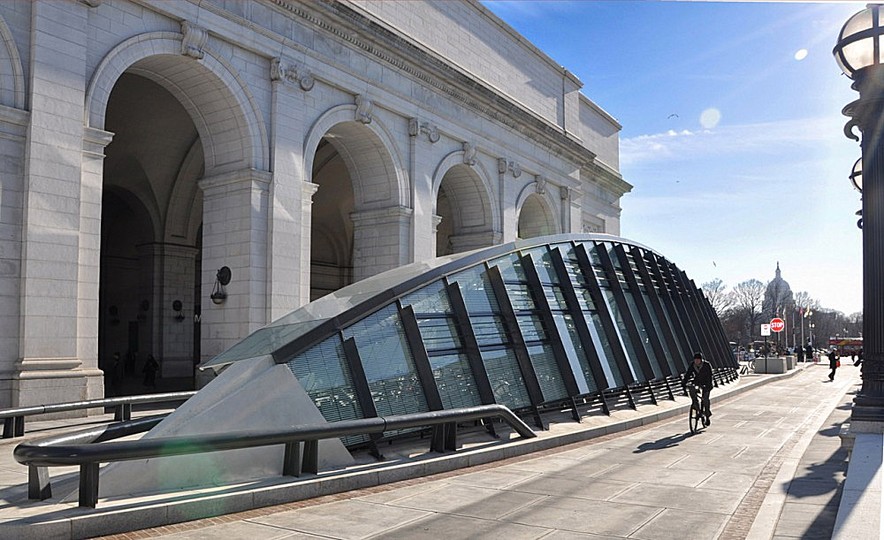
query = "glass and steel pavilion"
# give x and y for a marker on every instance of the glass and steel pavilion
(550, 322)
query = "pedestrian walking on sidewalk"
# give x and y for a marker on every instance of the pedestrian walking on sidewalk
(834, 363)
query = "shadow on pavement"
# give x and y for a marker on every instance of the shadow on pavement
(660, 444)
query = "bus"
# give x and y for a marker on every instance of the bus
(846, 346)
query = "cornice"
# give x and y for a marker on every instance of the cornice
(389, 47)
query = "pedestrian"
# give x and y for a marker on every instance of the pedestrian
(116, 375)
(799, 351)
(859, 358)
(808, 352)
(150, 371)
(834, 363)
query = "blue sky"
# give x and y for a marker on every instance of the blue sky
(732, 131)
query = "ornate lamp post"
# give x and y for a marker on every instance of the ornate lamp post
(859, 54)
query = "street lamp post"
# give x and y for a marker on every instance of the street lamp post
(858, 53)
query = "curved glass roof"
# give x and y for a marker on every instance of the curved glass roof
(525, 324)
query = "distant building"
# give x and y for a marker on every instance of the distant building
(778, 299)
(177, 174)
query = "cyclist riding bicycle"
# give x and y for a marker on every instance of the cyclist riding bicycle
(699, 375)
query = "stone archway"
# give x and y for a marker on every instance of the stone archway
(360, 215)
(536, 217)
(464, 212)
(178, 132)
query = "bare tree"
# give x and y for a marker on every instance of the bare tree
(715, 293)
(748, 297)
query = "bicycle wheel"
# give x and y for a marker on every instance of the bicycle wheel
(695, 420)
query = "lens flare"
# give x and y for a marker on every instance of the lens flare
(710, 118)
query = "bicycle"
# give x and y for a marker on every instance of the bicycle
(696, 418)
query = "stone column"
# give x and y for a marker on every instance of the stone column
(175, 353)
(13, 126)
(61, 218)
(380, 240)
(422, 135)
(288, 284)
(235, 231)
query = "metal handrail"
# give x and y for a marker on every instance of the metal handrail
(79, 448)
(14, 419)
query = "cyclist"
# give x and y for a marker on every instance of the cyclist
(699, 374)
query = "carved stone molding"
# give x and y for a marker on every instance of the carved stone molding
(503, 166)
(565, 193)
(195, 39)
(469, 154)
(363, 109)
(281, 70)
(540, 185)
(416, 127)
(91, 3)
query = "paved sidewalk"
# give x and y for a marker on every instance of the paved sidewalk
(770, 466)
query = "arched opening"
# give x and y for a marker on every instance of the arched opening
(464, 212)
(149, 280)
(356, 220)
(535, 218)
(125, 288)
(331, 246)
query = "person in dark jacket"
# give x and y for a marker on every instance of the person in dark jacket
(833, 363)
(699, 374)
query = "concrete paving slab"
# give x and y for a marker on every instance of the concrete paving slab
(449, 527)
(349, 519)
(672, 524)
(473, 501)
(600, 517)
(581, 488)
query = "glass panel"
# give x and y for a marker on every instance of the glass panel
(628, 346)
(577, 357)
(605, 349)
(476, 290)
(520, 297)
(543, 262)
(506, 378)
(659, 330)
(531, 327)
(323, 373)
(644, 336)
(430, 299)
(438, 333)
(489, 330)
(453, 376)
(548, 375)
(388, 364)
(510, 267)
(679, 352)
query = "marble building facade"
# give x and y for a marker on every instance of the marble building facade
(147, 144)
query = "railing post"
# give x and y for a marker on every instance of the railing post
(19, 426)
(8, 427)
(123, 412)
(451, 437)
(291, 463)
(38, 483)
(437, 438)
(89, 485)
(311, 456)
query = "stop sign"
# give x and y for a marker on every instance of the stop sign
(777, 324)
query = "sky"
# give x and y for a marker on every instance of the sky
(732, 132)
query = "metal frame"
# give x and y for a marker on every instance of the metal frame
(79, 448)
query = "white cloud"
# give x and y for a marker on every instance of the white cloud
(730, 140)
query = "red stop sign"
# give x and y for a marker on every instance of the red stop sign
(777, 324)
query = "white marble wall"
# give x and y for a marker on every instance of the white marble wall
(263, 83)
